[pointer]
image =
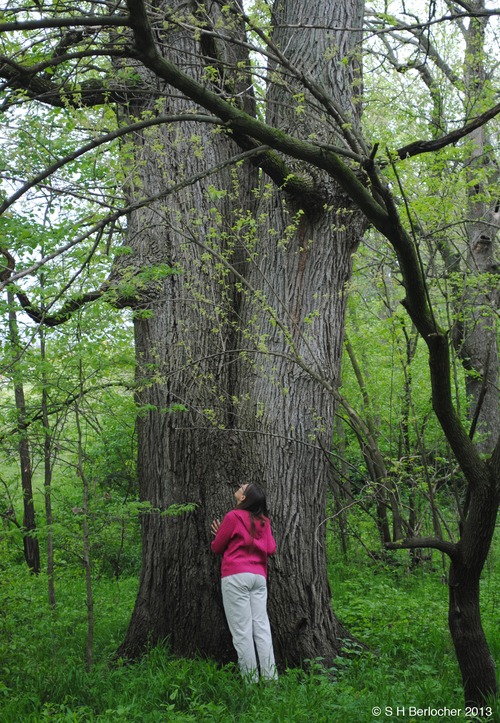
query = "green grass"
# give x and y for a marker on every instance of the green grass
(399, 614)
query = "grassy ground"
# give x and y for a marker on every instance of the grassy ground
(400, 615)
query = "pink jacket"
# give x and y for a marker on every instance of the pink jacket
(240, 551)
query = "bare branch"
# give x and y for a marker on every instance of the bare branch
(68, 22)
(40, 316)
(90, 93)
(415, 543)
(436, 21)
(417, 147)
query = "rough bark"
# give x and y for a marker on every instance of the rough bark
(174, 553)
(184, 340)
(238, 420)
(302, 266)
(293, 413)
(478, 343)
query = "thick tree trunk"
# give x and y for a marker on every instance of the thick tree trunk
(253, 363)
(292, 415)
(184, 458)
(185, 335)
(301, 268)
(479, 343)
(474, 658)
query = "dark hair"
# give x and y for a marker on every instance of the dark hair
(255, 503)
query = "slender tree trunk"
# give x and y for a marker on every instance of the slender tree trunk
(86, 557)
(341, 488)
(464, 618)
(477, 344)
(469, 555)
(464, 615)
(47, 461)
(478, 340)
(30, 542)
(367, 439)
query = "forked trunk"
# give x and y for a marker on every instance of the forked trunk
(226, 392)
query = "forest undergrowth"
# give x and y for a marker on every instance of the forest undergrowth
(407, 671)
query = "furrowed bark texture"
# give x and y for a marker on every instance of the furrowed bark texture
(478, 341)
(235, 354)
(302, 267)
(293, 415)
(184, 339)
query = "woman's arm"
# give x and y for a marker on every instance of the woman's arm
(223, 533)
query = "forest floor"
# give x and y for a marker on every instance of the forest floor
(408, 673)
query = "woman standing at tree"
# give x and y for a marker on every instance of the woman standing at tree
(244, 539)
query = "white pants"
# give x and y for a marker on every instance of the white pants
(245, 604)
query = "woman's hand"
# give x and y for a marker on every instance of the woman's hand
(215, 526)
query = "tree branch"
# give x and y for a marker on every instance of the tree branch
(10, 517)
(90, 93)
(436, 21)
(119, 21)
(414, 543)
(56, 408)
(92, 145)
(40, 316)
(417, 147)
(246, 129)
(7, 276)
(354, 141)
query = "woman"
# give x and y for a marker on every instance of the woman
(244, 539)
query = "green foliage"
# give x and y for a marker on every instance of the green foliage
(397, 613)
(88, 363)
(391, 392)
